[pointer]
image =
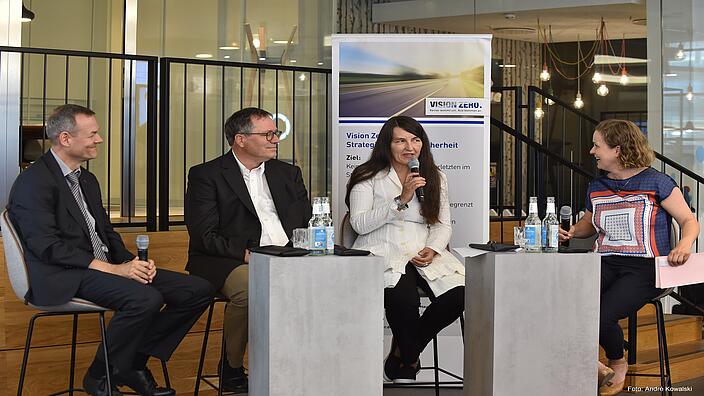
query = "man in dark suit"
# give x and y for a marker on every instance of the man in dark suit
(72, 251)
(242, 199)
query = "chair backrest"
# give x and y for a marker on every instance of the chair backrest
(14, 257)
(349, 235)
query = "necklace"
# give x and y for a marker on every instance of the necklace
(623, 187)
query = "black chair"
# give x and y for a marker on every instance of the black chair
(663, 356)
(348, 236)
(436, 383)
(17, 272)
(206, 377)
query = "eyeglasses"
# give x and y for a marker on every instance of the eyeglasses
(268, 134)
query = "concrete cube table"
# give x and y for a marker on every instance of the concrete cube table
(315, 325)
(532, 324)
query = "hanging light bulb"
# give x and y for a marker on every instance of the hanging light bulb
(689, 127)
(547, 100)
(596, 78)
(578, 102)
(603, 90)
(680, 52)
(624, 77)
(545, 74)
(539, 112)
(690, 93)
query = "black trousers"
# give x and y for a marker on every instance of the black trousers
(412, 332)
(139, 324)
(627, 284)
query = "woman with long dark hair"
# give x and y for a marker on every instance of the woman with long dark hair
(411, 235)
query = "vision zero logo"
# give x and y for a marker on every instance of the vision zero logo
(459, 106)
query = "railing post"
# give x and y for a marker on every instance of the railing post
(518, 147)
(164, 94)
(530, 187)
(152, 163)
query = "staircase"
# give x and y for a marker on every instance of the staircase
(685, 346)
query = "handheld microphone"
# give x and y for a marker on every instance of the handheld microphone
(414, 167)
(565, 220)
(142, 247)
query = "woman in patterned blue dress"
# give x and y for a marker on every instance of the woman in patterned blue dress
(630, 208)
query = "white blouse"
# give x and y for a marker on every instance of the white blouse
(398, 236)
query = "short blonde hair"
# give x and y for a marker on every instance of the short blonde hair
(635, 149)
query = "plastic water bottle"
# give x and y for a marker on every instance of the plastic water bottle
(317, 236)
(329, 228)
(551, 227)
(533, 227)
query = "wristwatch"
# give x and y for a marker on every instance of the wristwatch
(399, 205)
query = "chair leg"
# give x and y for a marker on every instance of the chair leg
(203, 349)
(27, 343)
(436, 365)
(222, 364)
(104, 341)
(462, 325)
(632, 339)
(72, 368)
(665, 353)
(661, 342)
(167, 380)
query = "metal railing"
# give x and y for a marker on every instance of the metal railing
(299, 98)
(552, 179)
(107, 83)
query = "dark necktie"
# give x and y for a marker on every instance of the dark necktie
(98, 251)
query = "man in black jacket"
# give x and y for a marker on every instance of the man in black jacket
(242, 199)
(71, 250)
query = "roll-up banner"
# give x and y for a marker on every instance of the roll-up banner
(444, 82)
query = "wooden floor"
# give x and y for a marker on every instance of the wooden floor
(48, 364)
(49, 357)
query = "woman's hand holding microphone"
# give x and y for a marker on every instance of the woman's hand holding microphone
(412, 182)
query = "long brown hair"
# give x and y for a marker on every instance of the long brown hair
(380, 160)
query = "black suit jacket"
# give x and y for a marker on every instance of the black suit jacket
(221, 218)
(54, 233)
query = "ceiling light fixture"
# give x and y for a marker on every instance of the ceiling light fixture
(27, 15)
(603, 90)
(204, 56)
(680, 52)
(690, 93)
(624, 77)
(538, 112)
(596, 78)
(689, 127)
(578, 102)
(545, 74)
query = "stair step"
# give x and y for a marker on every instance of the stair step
(679, 329)
(686, 363)
(647, 310)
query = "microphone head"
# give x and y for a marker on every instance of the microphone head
(565, 212)
(413, 163)
(142, 242)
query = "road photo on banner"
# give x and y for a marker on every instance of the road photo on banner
(385, 79)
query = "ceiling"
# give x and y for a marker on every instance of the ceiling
(565, 23)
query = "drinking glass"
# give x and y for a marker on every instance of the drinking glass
(519, 237)
(300, 238)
